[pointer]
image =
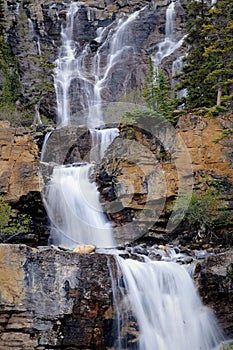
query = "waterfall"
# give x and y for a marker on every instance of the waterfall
(34, 36)
(71, 199)
(66, 68)
(101, 139)
(166, 307)
(72, 202)
(177, 67)
(158, 297)
(170, 44)
(74, 75)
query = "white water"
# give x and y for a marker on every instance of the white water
(101, 139)
(177, 67)
(167, 307)
(75, 81)
(168, 310)
(170, 44)
(72, 202)
(66, 68)
(34, 36)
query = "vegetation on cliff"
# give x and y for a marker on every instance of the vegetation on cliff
(208, 70)
(11, 222)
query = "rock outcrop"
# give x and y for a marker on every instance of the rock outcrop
(54, 299)
(215, 282)
(19, 162)
(138, 176)
(34, 36)
(51, 299)
(141, 175)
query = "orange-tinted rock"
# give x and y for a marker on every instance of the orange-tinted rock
(19, 162)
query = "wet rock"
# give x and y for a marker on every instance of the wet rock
(215, 284)
(140, 250)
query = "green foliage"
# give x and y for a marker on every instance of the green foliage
(230, 275)
(10, 89)
(2, 18)
(204, 209)
(5, 211)
(199, 92)
(225, 133)
(209, 64)
(157, 93)
(226, 347)
(218, 33)
(207, 210)
(12, 223)
(215, 111)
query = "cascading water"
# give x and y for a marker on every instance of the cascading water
(119, 48)
(65, 204)
(73, 203)
(66, 68)
(101, 139)
(166, 47)
(160, 295)
(165, 305)
(177, 67)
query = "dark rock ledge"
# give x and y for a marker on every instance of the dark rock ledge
(53, 299)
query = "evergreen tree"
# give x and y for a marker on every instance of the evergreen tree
(199, 91)
(208, 65)
(157, 93)
(219, 49)
(149, 88)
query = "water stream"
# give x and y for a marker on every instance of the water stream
(161, 297)
(166, 306)
(74, 208)
(170, 44)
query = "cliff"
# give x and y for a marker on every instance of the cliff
(54, 299)
(34, 37)
(127, 175)
(62, 300)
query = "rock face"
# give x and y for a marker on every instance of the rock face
(141, 177)
(215, 283)
(138, 176)
(18, 162)
(34, 36)
(51, 299)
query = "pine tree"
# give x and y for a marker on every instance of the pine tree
(157, 92)
(195, 67)
(149, 88)
(219, 49)
(208, 66)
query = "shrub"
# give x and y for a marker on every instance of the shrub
(11, 222)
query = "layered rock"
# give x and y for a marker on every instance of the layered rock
(138, 176)
(54, 299)
(142, 174)
(62, 300)
(19, 162)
